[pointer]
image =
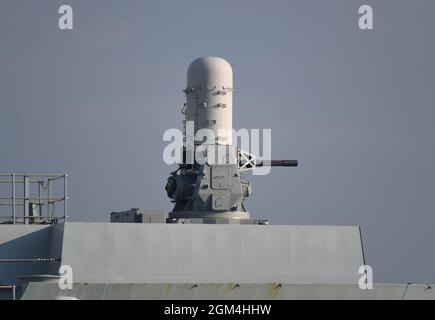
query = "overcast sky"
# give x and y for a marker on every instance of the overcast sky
(356, 108)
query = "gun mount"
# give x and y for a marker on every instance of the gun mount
(213, 190)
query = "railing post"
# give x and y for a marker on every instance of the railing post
(48, 197)
(13, 199)
(65, 197)
(26, 197)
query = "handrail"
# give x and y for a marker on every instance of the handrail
(13, 288)
(32, 204)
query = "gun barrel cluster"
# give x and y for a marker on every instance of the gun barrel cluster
(277, 163)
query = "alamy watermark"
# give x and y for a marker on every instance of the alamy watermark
(66, 277)
(365, 21)
(366, 279)
(202, 147)
(65, 21)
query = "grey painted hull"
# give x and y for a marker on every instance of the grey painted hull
(191, 261)
(231, 291)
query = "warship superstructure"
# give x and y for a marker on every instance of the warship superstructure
(207, 247)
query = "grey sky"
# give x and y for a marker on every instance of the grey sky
(355, 107)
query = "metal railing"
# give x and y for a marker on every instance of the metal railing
(33, 204)
(13, 290)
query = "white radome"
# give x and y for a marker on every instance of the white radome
(209, 97)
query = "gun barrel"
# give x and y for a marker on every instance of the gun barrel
(277, 163)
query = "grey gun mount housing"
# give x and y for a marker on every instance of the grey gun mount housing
(212, 190)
